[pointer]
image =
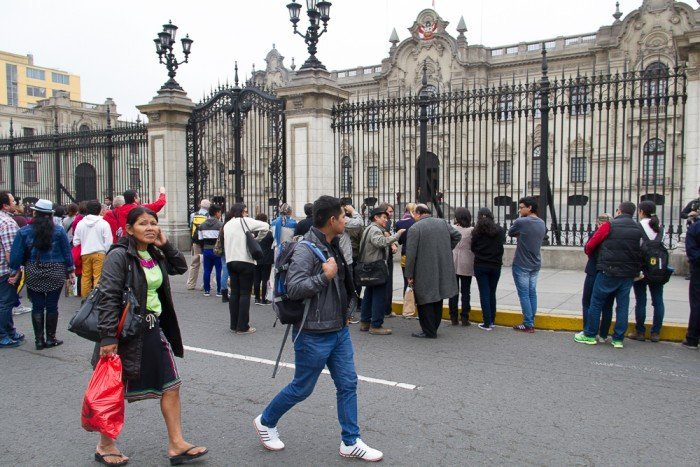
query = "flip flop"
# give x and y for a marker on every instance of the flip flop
(186, 456)
(101, 459)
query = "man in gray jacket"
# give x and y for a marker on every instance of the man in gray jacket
(430, 269)
(324, 339)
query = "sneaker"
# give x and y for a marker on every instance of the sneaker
(617, 344)
(364, 327)
(218, 294)
(207, 294)
(7, 343)
(581, 338)
(686, 343)
(602, 339)
(269, 437)
(20, 310)
(265, 302)
(380, 331)
(250, 330)
(257, 301)
(484, 327)
(353, 320)
(523, 328)
(360, 450)
(655, 337)
(18, 336)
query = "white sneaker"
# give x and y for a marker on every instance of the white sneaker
(360, 450)
(19, 310)
(269, 437)
(485, 328)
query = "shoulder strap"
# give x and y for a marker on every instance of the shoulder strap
(363, 242)
(319, 254)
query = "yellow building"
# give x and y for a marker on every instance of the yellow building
(23, 84)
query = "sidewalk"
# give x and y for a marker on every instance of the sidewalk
(559, 302)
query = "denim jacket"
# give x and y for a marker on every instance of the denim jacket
(23, 251)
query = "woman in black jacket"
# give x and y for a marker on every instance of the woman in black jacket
(487, 244)
(148, 363)
(263, 268)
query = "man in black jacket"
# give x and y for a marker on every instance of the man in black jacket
(619, 262)
(305, 225)
(324, 339)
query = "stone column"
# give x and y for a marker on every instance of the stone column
(168, 113)
(689, 50)
(311, 166)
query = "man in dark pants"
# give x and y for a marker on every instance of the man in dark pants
(619, 262)
(390, 257)
(692, 249)
(430, 269)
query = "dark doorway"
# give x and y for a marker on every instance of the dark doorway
(428, 178)
(85, 182)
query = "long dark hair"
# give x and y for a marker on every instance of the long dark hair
(463, 217)
(235, 211)
(485, 224)
(649, 208)
(43, 230)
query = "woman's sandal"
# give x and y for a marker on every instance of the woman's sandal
(101, 459)
(186, 456)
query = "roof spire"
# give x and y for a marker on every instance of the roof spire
(618, 14)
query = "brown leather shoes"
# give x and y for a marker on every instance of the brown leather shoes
(364, 327)
(381, 331)
(637, 336)
(655, 337)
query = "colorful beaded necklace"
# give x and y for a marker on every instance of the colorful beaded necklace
(148, 263)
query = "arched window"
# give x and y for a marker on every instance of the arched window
(505, 106)
(654, 162)
(346, 175)
(84, 127)
(655, 83)
(536, 168)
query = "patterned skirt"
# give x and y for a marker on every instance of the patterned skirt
(158, 370)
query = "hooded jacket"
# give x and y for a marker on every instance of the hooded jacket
(112, 282)
(122, 212)
(93, 234)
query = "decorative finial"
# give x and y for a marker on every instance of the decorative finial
(394, 38)
(618, 14)
(461, 27)
(109, 119)
(235, 76)
(545, 67)
(424, 81)
(293, 66)
(12, 131)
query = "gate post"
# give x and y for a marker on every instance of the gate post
(168, 114)
(311, 165)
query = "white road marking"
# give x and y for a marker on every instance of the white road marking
(265, 361)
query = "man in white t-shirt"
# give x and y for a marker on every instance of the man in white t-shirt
(94, 236)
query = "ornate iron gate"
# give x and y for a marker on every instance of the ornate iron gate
(582, 144)
(236, 150)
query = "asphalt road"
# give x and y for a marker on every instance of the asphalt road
(481, 398)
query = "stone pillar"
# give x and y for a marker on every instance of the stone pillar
(689, 51)
(311, 166)
(168, 114)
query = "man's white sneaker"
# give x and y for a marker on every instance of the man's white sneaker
(19, 310)
(269, 437)
(360, 450)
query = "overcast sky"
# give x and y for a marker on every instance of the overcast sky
(110, 44)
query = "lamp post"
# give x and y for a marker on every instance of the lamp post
(318, 12)
(164, 48)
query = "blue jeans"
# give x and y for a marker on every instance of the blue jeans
(8, 296)
(313, 352)
(211, 261)
(657, 301)
(44, 301)
(606, 319)
(224, 274)
(487, 280)
(604, 287)
(374, 304)
(526, 285)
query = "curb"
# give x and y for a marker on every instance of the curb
(669, 332)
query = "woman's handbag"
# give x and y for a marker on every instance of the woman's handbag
(131, 323)
(253, 246)
(370, 274)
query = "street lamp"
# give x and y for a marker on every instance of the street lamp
(318, 12)
(164, 48)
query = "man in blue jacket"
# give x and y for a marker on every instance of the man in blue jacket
(324, 339)
(692, 249)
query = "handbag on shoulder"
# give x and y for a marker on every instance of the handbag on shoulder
(252, 244)
(373, 273)
(131, 323)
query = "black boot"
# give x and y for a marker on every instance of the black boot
(38, 324)
(51, 324)
(224, 295)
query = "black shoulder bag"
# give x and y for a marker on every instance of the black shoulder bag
(373, 273)
(251, 243)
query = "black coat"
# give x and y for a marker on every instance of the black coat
(112, 282)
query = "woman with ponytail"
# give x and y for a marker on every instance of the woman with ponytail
(650, 223)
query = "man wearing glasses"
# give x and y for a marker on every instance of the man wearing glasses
(530, 231)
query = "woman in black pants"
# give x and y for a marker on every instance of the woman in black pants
(241, 266)
(487, 245)
(263, 269)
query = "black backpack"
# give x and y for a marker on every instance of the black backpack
(655, 261)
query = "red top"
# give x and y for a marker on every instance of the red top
(121, 213)
(597, 238)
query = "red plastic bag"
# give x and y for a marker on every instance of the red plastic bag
(103, 405)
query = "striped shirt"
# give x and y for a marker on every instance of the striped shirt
(8, 230)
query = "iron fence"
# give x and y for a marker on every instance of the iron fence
(76, 165)
(603, 139)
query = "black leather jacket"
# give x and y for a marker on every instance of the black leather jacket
(112, 281)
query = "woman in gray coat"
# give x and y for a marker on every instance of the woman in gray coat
(464, 265)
